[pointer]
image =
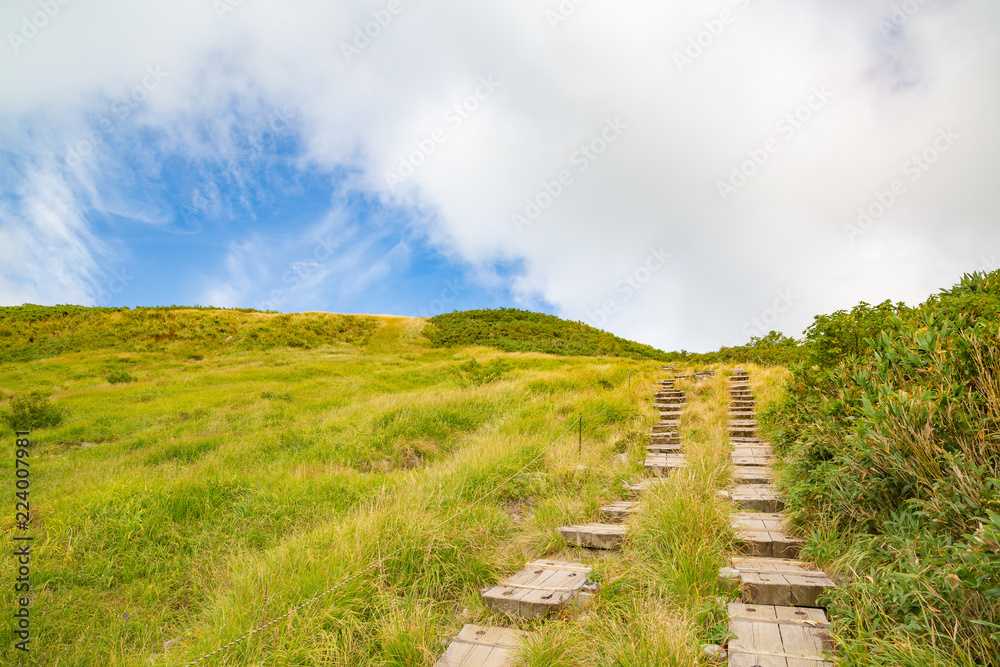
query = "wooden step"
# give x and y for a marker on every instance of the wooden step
(664, 448)
(771, 636)
(662, 465)
(763, 534)
(620, 510)
(664, 427)
(539, 589)
(637, 489)
(742, 431)
(752, 460)
(754, 497)
(748, 442)
(751, 474)
(594, 535)
(480, 646)
(777, 581)
(665, 438)
(756, 447)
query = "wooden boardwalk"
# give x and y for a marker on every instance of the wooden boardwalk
(778, 623)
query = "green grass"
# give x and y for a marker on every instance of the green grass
(224, 486)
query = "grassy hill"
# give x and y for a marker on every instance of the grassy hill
(201, 480)
(36, 332)
(514, 330)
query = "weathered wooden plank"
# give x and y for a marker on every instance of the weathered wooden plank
(752, 449)
(763, 534)
(761, 461)
(642, 487)
(754, 497)
(620, 510)
(480, 646)
(777, 635)
(779, 581)
(662, 465)
(594, 535)
(538, 589)
(751, 474)
(752, 441)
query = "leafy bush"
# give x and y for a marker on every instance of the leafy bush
(512, 330)
(891, 436)
(119, 375)
(774, 349)
(29, 411)
(479, 374)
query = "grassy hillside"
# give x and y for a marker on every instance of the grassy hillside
(512, 330)
(36, 332)
(218, 487)
(891, 433)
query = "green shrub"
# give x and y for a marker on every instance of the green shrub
(512, 330)
(119, 375)
(480, 374)
(890, 435)
(29, 411)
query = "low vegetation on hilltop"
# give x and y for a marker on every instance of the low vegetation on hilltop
(36, 332)
(512, 330)
(891, 436)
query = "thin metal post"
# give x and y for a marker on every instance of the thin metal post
(579, 450)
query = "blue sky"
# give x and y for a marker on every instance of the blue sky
(684, 174)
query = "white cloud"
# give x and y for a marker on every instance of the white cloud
(655, 185)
